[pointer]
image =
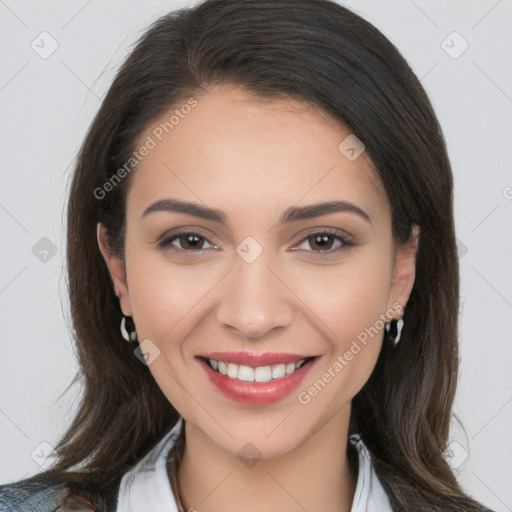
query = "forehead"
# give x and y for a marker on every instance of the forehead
(235, 149)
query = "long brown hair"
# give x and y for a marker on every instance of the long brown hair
(321, 53)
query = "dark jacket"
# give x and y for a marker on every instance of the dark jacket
(33, 495)
(36, 494)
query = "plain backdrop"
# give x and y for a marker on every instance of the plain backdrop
(57, 60)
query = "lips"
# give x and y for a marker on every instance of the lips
(257, 388)
(255, 359)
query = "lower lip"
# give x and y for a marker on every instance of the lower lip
(257, 393)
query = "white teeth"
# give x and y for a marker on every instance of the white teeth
(232, 370)
(245, 373)
(290, 368)
(262, 374)
(278, 371)
(258, 374)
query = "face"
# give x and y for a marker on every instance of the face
(225, 253)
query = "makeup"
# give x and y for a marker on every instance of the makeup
(256, 378)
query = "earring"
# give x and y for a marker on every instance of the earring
(128, 336)
(399, 326)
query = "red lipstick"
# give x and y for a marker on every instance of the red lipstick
(255, 358)
(256, 393)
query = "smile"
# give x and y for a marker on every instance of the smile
(255, 379)
(259, 374)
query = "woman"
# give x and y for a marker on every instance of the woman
(263, 210)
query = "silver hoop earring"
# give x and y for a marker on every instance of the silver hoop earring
(128, 336)
(399, 326)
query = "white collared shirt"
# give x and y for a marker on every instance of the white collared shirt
(146, 486)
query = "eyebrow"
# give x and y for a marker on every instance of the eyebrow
(291, 214)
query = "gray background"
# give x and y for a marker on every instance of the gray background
(46, 104)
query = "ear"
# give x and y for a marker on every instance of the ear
(116, 269)
(404, 271)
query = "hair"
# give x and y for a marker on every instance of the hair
(320, 53)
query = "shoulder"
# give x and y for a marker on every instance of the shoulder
(31, 494)
(37, 494)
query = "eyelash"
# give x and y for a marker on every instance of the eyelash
(166, 243)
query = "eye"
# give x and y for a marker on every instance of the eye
(322, 243)
(185, 241)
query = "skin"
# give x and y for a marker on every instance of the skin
(253, 159)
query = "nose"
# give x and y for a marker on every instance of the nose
(256, 299)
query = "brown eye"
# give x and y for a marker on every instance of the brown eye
(321, 241)
(325, 244)
(191, 241)
(184, 242)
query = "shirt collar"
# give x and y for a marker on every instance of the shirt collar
(146, 486)
(369, 495)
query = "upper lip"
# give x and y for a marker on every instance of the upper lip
(256, 358)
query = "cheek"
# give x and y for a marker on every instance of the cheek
(165, 300)
(347, 297)
(163, 295)
(348, 303)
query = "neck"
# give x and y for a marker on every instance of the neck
(316, 475)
